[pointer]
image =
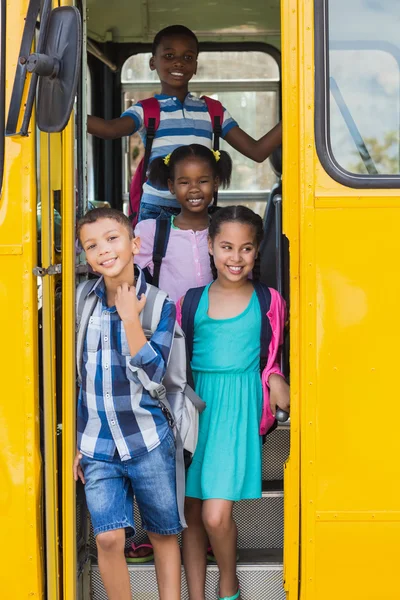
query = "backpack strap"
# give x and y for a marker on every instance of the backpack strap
(151, 119)
(216, 112)
(84, 309)
(264, 299)
(151, 314)
(189, 307)
(161, 238)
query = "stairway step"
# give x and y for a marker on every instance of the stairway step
(275, 453)
(260, 522)
(260, 574)
(272, 488)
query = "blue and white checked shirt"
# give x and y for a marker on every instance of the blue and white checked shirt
(181, 124)
(115, 413)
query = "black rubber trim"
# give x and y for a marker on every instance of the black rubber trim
(3, 5)
(20, 72)
(322, 108)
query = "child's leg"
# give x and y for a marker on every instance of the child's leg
(167, 559)
(222, 531)
(153, 478)
(110, 502)
(112, 564)
(195, 549)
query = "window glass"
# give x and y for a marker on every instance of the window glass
(212, 65)
(364, 80)
(89, 149)
(246, 83)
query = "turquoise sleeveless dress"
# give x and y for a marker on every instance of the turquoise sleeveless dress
(226, 370)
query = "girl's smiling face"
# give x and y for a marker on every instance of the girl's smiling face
(194, 185)
(234, 250)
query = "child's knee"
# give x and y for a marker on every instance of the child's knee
(216, 521)
(158, 538)
(111, 541)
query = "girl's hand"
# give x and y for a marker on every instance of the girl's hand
(77, 469)
(127, 303)
(279, 395)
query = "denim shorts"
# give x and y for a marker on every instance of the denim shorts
(153, 211)
(111, 486)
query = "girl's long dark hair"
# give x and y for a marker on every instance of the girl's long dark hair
(159, 172)
(237, 214)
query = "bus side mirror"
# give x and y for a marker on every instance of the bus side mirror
(56, 64)
(58, 68)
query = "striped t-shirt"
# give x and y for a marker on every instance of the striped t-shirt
(181, 124)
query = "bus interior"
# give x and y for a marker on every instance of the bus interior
(239, 64)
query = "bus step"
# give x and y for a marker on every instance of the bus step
(259, 522)
(275, 453)
(260, 574)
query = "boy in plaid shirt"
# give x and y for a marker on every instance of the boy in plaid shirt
(125, 445)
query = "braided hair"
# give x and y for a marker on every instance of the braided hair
(237, 214)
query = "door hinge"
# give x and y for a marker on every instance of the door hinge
(51, 270)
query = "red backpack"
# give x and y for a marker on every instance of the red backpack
(151, 118)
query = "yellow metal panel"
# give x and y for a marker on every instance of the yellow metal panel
(68, 359)
(350, 498)
(290, 203)
(68, 365)
(21, 550)
(49, 370)
(360, 561)
(357, 289)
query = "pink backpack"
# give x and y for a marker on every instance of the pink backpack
(151, 117)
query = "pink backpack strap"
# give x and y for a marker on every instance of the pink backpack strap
(215, 109)
(151, 110)
(216, 112)
(276, 316)
(151, 120)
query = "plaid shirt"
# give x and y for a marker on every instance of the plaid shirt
(115, 413)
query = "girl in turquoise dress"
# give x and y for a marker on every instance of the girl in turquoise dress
(226, 466)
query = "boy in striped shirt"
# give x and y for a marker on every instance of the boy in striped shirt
(184, 118)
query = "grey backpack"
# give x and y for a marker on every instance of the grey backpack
(176, 395)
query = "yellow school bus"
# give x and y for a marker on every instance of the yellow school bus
(328, 524)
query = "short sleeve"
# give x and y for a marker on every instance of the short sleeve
(228, 123)
(135, 112)
(146, 231)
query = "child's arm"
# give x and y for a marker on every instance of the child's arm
(279, 393)
(145, 230)
(111, 129)
(77, 469)
(129, 309)
(257, 150)
(150, 356)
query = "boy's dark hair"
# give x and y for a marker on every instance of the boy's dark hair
(173, 31)
(237, 214)
(159, 172)
(94, 215)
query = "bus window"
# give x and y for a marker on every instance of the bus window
(247, 83)
(360, 106)
(89, 147)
